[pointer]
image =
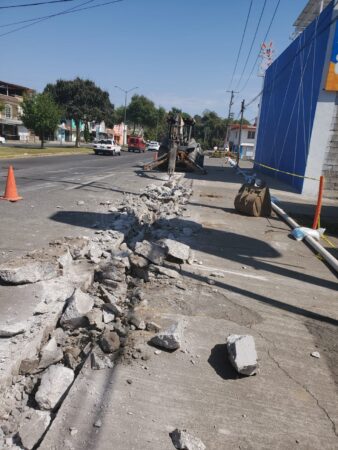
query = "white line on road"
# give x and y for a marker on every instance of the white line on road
(94, 180)
(231, 272)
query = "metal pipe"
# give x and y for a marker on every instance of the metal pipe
(331, 260)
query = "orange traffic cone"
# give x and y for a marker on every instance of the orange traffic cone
(11, 193)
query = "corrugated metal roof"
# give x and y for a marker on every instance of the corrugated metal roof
(309, 13)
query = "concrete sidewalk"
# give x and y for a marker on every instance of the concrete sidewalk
(250, 278)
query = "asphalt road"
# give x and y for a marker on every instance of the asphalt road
(51, 188)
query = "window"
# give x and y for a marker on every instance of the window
(8, 112)
(251, 134)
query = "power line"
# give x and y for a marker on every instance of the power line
(24, 5)
(252, 43)
(301, 48)
(241, 44)
(67, 11)
(266, 35)
(38, 19)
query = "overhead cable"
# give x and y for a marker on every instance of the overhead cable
(301, 48)
(72, 10)
(252, 43)
(25, 5)
(266, 35)
(241, 44)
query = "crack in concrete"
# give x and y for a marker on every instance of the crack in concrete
(303, 386)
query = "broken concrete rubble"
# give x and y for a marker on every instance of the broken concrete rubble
(151, 251)
(110, 341)
(99, 360)
(170, 339)
(93, 303)
(78, 306)
(50, 354)
(176, 250)
(54, 383)
(33, 426)
(23, 272)
(185, 441)
(242, 353)
(12, 329)
(169, 273)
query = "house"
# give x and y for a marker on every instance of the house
(248, 137)
(11, 126)
(297, 136)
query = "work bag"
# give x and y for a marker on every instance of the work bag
(253, 200)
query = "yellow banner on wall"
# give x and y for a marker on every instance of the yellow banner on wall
(332, 76)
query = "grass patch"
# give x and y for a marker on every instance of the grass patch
(24, 152)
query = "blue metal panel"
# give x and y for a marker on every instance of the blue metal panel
(290, 94)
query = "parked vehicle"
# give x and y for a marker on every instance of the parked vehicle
(153, 146)
(106, 147)
(136, 144)
(2, 140)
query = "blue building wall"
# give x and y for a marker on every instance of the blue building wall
(290, 94)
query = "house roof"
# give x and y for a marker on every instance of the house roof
(13, 88)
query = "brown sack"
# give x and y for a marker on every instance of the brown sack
(253, 200)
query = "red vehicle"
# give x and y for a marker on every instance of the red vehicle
(136, 144)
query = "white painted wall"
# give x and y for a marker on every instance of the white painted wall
(321, 125)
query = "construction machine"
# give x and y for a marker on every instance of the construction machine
(179, 149)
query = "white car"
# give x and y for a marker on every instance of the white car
(106, 147)
(153, 146)
(2, 140)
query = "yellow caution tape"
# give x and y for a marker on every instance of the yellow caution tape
(324, 237)
(287, 173)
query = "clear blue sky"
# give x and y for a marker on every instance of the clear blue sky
(180, 52)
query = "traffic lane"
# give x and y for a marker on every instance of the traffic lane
(50, 210)
(73, 170)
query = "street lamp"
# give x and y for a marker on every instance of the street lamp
(126, 91)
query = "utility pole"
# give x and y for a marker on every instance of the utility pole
(229, 116)
(126, 91)
(240, 130)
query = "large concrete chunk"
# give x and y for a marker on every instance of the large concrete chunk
(12, 329)
(79, 305)
(27, 271)
(59, 289)
(242, 353)
(153, 252)
(176, 250)
(185, 441)
(50, 354)
(33, 426)
(54, 383)
(170, 338)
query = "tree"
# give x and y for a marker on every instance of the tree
(142, 112)
(83, 101)
(40, 114)
(119, 114)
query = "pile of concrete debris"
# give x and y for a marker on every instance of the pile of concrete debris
(87, 290)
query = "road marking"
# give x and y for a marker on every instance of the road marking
(231, 272)
(94, 180)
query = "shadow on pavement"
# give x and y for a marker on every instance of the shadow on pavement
(235, 247)
(220, 363)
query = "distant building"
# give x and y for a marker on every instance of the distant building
(297, 135)
(11, 126)
(248, 138)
